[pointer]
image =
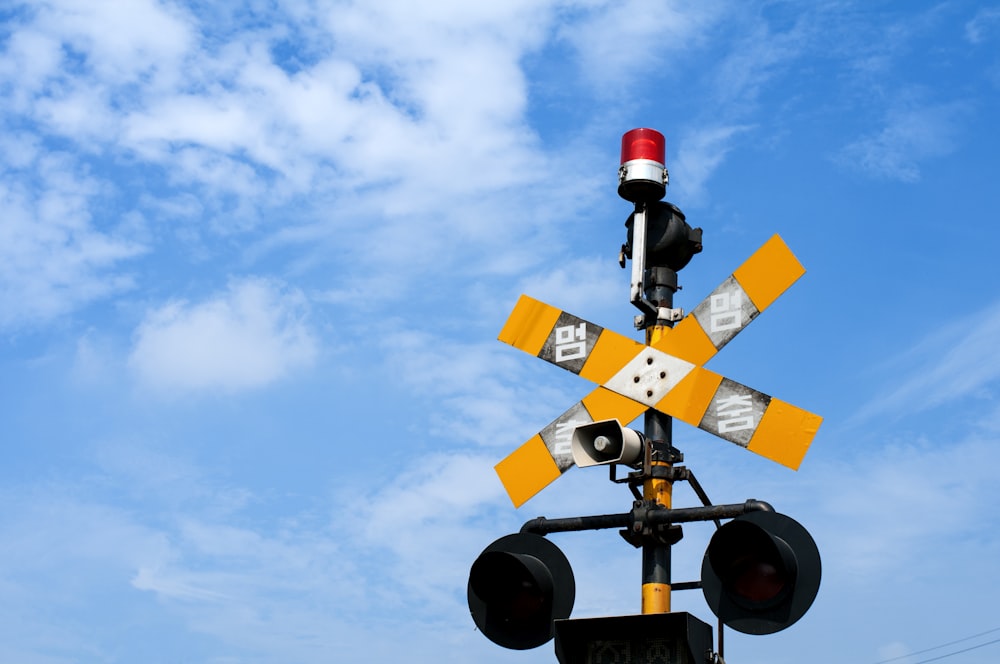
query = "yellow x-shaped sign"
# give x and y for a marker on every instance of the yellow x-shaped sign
(666, 375)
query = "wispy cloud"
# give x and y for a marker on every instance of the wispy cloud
(983, 25)
(759, 56)
(879, 517)
(270, 592)
(53, 257)
(957, 362)
(700, 153)
(911, 134)
(621, 42)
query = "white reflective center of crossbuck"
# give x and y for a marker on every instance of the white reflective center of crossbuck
(649, 376)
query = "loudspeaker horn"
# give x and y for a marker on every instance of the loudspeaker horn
(604, 442)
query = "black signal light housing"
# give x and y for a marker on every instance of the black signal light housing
(761, 572)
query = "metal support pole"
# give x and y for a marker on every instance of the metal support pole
(660, 243)
(661, 285)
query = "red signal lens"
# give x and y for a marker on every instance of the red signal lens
(759, 581)
(644, 144)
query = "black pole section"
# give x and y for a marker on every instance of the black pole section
(660, 243)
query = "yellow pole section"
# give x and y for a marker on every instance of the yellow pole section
(656, 595)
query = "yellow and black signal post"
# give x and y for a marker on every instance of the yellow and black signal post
(761, 570)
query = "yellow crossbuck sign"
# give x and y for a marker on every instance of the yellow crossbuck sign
(666, 375)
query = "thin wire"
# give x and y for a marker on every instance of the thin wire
(957, 652)
(945, 645)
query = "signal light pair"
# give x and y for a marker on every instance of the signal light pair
(760, 574)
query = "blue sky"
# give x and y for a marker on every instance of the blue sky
(254, 258)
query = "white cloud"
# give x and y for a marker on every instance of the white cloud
(119, 40)
(397, 126)
(396, 31)
(399, 106)
(400, 137)
(581, 286)
(248, 337)
(30, 59)
(71, 66)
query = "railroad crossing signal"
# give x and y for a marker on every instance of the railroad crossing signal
(666, 375)
(761, 570)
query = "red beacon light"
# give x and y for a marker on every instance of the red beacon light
(642, 176)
